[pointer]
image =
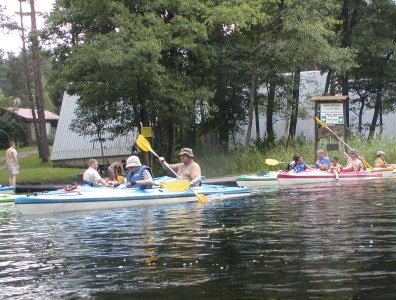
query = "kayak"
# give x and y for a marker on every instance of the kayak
(258, 180)
(7, 189)
(289, 178)
(94, 198)
(7, 199)
(386, 172)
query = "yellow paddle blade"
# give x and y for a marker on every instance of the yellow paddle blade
(273, 162)
(176, 185)
(201, 198)
(143, 143)
(320, 122)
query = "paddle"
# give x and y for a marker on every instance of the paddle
(273, 162)
(340, 139)
(144, 145)
(175, 185)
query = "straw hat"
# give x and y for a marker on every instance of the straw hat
(186, 151)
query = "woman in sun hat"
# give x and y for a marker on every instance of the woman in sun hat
(188, 169)
(138, 176)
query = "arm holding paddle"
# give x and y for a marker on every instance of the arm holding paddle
(144, 145)
(187, 170)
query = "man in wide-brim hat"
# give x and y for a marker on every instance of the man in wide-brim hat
(188, 169)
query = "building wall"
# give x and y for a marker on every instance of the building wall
(31, 135)
(71, 149)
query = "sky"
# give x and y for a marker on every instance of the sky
(11, 41)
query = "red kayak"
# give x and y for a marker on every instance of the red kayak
(289, 178)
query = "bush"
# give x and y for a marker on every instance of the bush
(13, 129)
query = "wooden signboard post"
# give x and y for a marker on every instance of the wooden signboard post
(331, 110)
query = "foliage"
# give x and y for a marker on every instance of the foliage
(13, 128)
(187, 68)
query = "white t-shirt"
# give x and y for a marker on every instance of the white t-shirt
(10, 157)
(91, 175)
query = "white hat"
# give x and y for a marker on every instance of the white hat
(133, 161)
(380, 153)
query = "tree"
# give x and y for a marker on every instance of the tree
(374, 77)
(43, 140)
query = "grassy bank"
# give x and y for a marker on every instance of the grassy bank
(35, 171)
(213, 164)
(249, 161)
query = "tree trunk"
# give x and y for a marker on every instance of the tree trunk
(257, 113)
(361, 110)
(28, 85)
(171, 141)
(252, 92)
(38, 87)
(271, 109)
(377, 108)
(294, 105)
(328, 82)
(345, 43)
(221, 101)
(192, 130)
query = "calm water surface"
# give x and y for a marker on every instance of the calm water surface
(334, 241)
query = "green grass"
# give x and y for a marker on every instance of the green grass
(236, 162)
(35, 171)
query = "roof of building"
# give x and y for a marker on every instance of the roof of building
(69, 145)
(26, 113)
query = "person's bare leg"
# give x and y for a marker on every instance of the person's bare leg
(12, 180)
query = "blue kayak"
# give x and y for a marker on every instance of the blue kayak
(94, 198)
(7, 189)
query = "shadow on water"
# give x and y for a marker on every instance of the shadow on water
(326, 241)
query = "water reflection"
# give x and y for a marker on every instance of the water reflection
(325, 241)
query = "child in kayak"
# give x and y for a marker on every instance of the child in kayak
(298, 164)
(380, 161)
(334, 166)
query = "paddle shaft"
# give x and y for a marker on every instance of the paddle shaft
(166, 165)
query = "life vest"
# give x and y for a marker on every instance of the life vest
(138, 175)
(298, 168)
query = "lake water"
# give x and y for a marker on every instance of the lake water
(334, 241)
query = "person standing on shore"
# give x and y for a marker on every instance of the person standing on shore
(12, 163)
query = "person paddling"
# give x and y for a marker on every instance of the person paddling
(354, 162)
(380, 161)
(188, 169)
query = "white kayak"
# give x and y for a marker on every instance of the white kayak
(93, 198)
(311, 177)
(258, 180)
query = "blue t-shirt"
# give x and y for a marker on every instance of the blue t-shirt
(298, 168)
(323, 161)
